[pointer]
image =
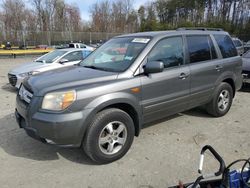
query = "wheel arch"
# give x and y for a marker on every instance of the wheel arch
(230, 81)
(123, 101)
(227, 77)
(131, 111)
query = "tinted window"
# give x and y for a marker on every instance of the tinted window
(71, 46)
(169, 51)
(226, 46)
(74, 56)
(237, 43)
(199, 48)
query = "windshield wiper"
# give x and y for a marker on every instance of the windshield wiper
(41, 61)
(90, 66)
(97, 68)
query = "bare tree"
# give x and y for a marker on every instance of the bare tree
(13, 16)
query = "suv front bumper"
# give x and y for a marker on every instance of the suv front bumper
(60, 129)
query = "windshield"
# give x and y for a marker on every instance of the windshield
(116, 55)
(51, 57)
(237, 43)
(247, 54)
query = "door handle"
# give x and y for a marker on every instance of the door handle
(218, 68)
(183, 76)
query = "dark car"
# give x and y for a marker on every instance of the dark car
(103, 102)
(246, 67)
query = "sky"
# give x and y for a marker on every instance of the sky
(85, 5)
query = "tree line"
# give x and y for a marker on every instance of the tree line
(19, 19)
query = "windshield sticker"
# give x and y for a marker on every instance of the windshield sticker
(128, 58)
(141, 40)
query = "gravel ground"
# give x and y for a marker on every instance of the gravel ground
(165, 151)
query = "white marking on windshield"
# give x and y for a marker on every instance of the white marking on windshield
(141, 40)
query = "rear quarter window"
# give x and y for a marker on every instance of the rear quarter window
(226, 46)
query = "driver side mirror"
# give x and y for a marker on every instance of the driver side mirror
(62, 61)
(153, 67)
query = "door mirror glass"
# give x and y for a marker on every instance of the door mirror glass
(153, 67)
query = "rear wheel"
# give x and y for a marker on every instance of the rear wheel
(222, 100)
(110, 136)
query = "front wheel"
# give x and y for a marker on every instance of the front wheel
(222, 100)
(110, 136)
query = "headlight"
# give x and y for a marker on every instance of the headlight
(28, 73)
(58, 100)
(24, 74)
(33, 73)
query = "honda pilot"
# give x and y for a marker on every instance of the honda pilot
(104, 101)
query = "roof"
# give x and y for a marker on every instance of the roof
(73, 49)
(163, 33)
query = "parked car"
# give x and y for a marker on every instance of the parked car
(80, 45)
(8, 46)
(246, 67)
(50, 61)
(22, 47)
(247, 46)
(103, 103)
(239, 45)
(61, 46)
(42, 47)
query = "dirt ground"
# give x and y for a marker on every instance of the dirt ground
(165, 151)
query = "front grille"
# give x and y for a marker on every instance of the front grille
(12, 79)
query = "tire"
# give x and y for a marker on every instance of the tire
(222, 100)
(110, 127)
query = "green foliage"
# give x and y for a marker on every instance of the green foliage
(232, 16)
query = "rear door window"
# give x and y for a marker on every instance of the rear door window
(226, 46)
(200, 48)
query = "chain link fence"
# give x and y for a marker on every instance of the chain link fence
(51, 38)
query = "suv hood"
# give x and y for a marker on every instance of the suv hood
(66, 78)
(27, 67)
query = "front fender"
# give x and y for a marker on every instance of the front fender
(107, 100)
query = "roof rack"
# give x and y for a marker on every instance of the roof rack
(199, 28)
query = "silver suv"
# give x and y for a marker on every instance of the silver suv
(103, 102)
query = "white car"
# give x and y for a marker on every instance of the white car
(53, 60)
(81, 45)
(239, 45)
